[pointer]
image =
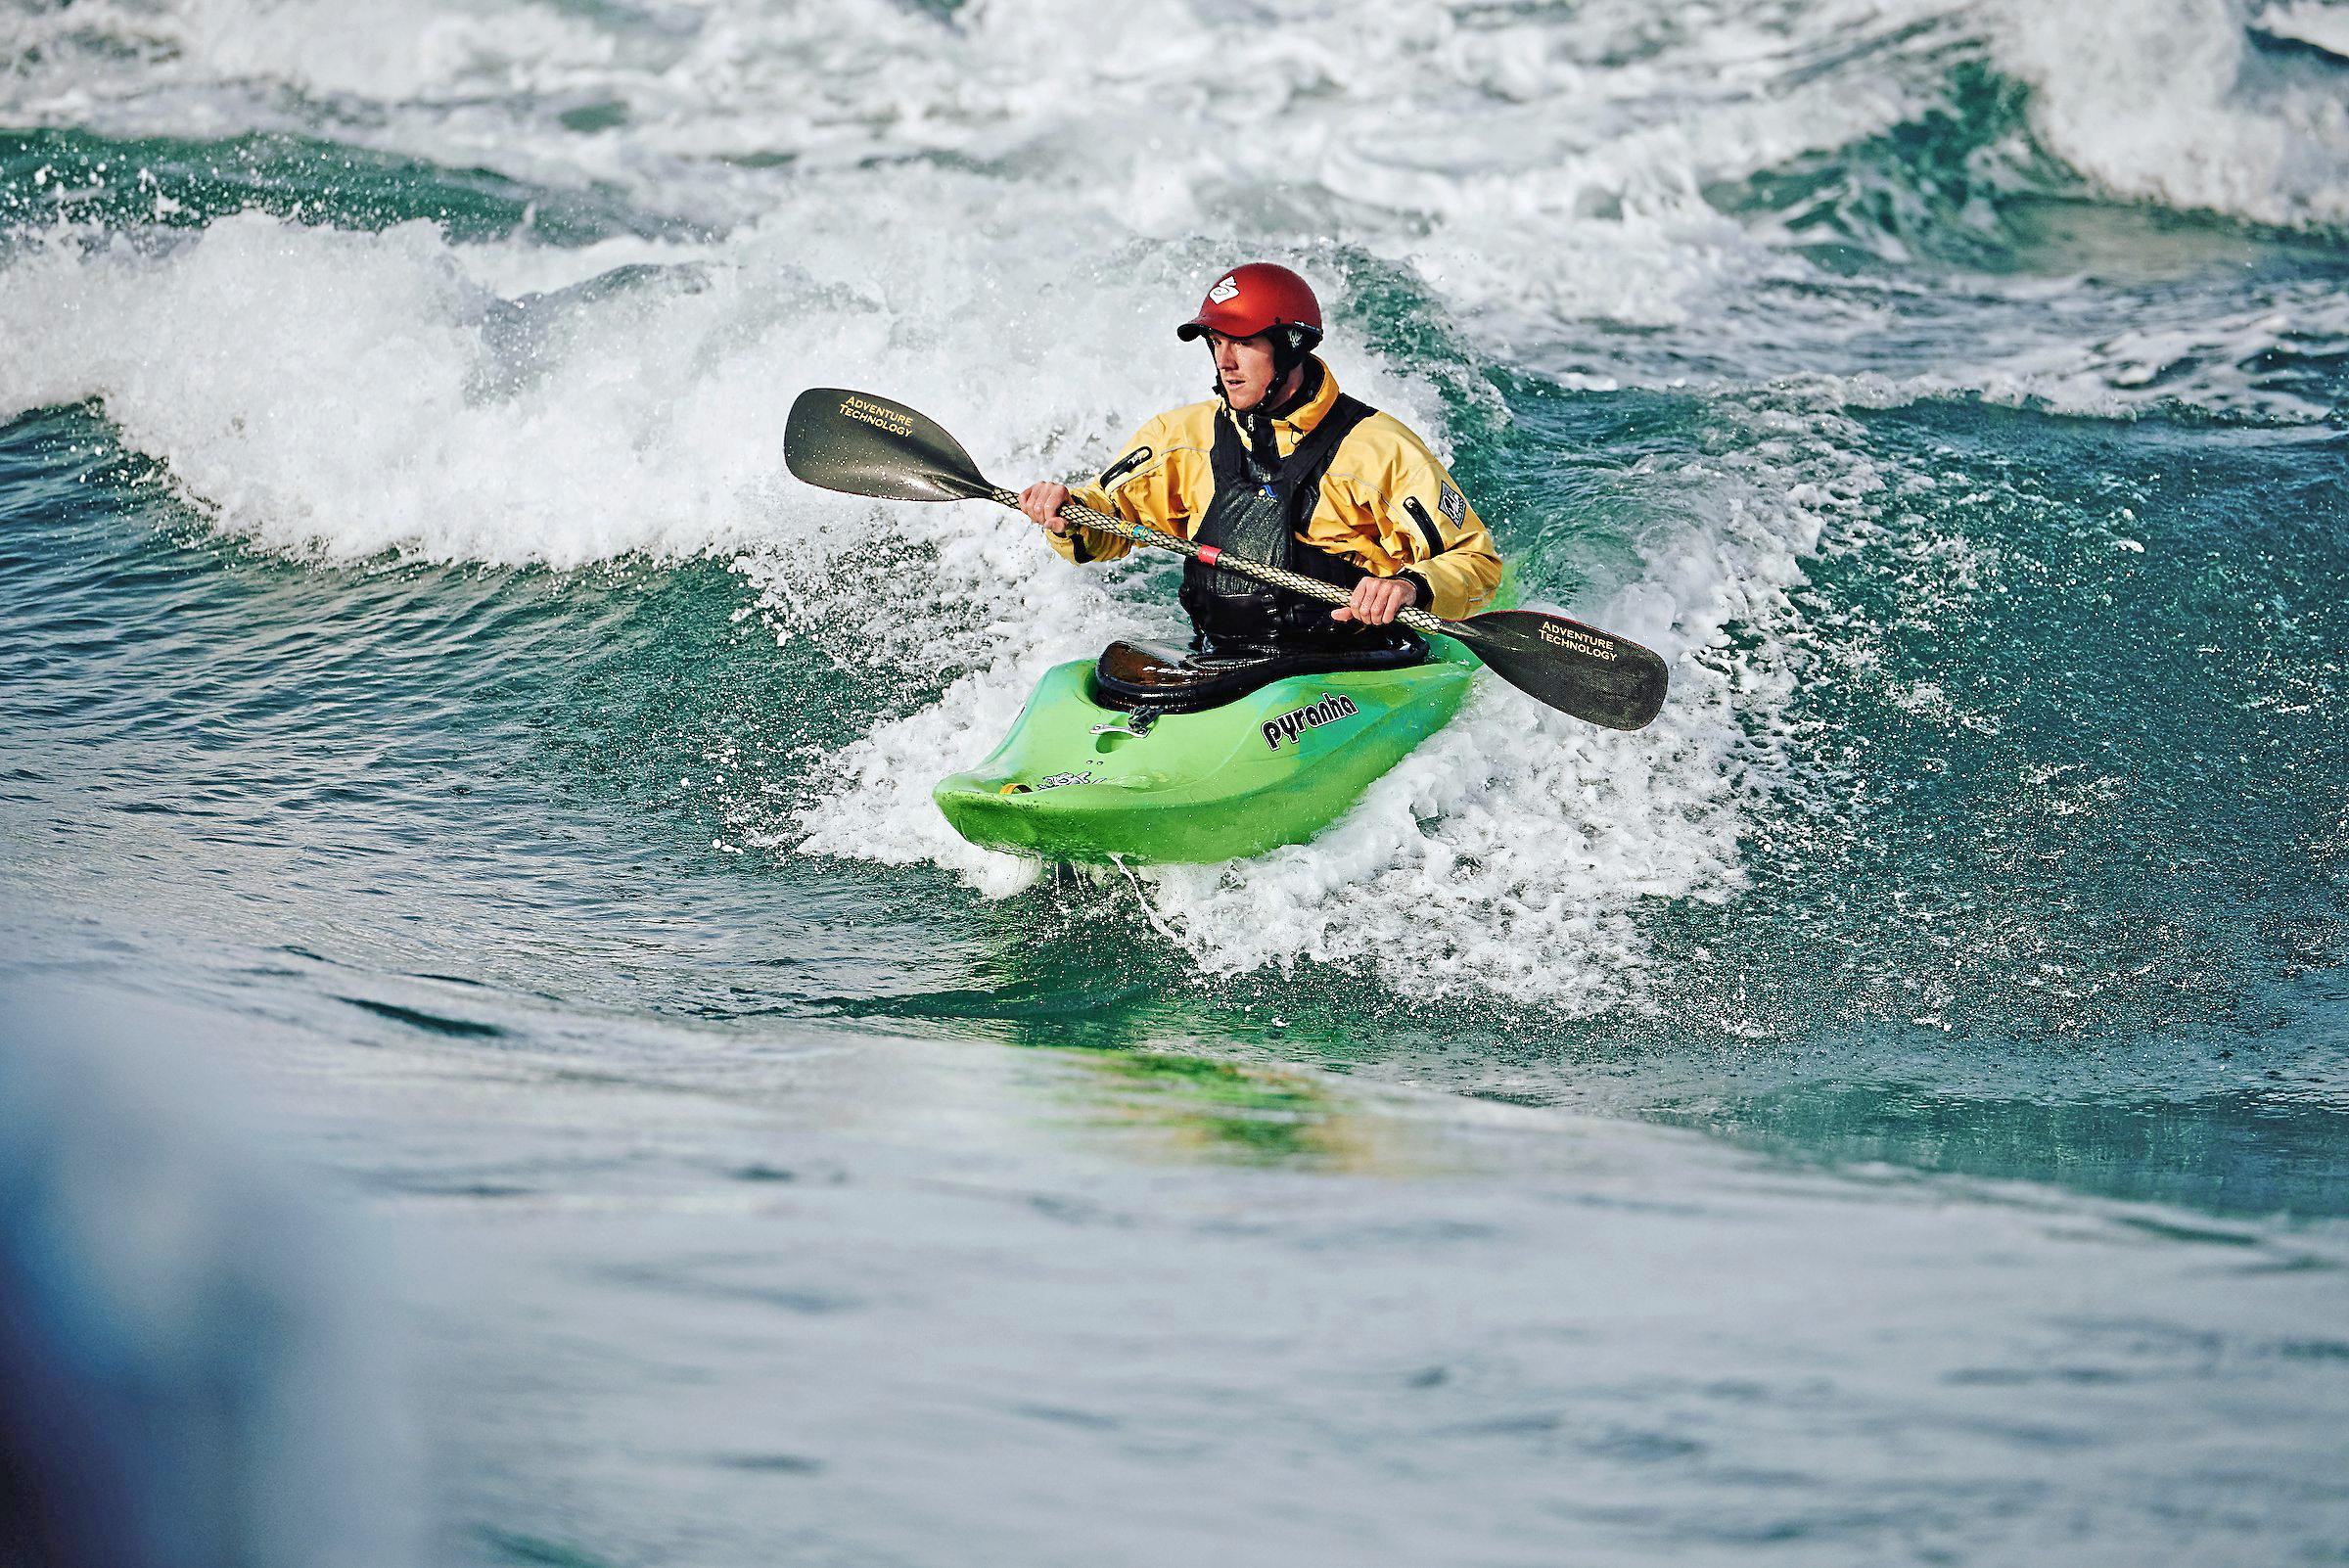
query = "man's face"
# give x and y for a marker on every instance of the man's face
(1243, 365)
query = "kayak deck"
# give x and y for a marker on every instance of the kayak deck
(1075, 780)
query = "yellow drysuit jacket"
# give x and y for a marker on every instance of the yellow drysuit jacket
(1386, 503)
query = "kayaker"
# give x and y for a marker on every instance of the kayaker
(1281, 467)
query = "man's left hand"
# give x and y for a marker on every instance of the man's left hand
(1377, 601)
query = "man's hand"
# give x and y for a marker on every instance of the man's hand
(1044, 501)
(1376, 601)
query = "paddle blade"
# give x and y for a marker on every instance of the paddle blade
(1577, 669)
(867, 445)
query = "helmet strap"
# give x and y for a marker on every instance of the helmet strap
(1307, 384)
(1289, 352)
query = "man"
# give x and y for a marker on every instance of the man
(1281, 467)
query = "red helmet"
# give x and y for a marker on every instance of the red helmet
(1254, 298)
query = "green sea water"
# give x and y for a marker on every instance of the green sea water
(1896, 1109)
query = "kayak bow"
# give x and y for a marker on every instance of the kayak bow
(1079, 780)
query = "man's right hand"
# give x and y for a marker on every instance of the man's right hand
(1044, 501)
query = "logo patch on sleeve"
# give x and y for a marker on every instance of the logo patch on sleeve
(1451, 503)
(1125, 466)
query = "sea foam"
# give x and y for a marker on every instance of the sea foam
(986, 214)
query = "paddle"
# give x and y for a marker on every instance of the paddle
(867, 445)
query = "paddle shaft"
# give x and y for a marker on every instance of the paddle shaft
(863, 445)
(1208, 555)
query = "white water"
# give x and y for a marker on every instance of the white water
(995, 217)
(2167, 100)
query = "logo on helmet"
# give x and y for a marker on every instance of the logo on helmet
(1226, 289)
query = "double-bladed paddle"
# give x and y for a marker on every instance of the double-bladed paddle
(867, 445)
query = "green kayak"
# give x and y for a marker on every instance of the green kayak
(1104, 763)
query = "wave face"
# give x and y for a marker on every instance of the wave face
(1777, 341)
